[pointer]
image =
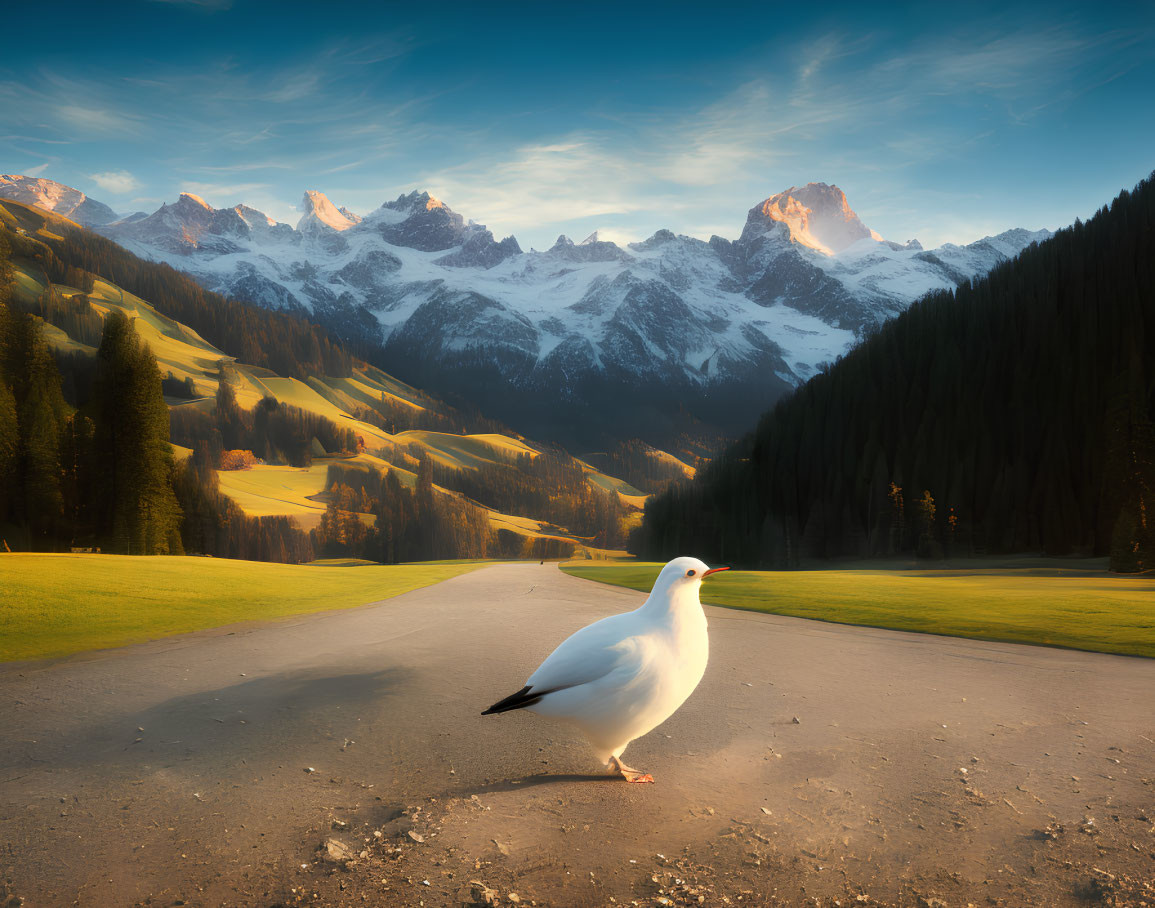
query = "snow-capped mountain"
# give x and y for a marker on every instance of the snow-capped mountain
(321, 214)
(672, 319)
(53, 196)
(818, 216)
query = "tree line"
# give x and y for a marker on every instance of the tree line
(549, 484)
(1013, 414)
(215, 525)
(273, 431)
(639, 464)
(416, 524)
(85, 459)
(103, 475)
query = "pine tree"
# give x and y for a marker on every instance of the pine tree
(9, 442)
(36, 503)
(425, 511)
(1130, 474)
(928, 546)
(9, 427)
(40, 459)
(140, 512)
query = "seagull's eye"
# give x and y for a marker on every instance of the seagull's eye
(691, 572)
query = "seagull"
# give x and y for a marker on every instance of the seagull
(623, 676)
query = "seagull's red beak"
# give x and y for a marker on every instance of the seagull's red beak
(714, 571)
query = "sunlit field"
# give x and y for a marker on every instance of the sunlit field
(55, 605)
(1076, 609)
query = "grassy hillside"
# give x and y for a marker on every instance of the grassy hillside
(466, 451)
(299, 492)
(347, 401)
(184, 353)
(1088, 610)
(55, 605)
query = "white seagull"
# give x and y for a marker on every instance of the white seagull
(625, 675)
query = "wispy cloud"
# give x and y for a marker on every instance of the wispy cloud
(846, 112)
(118, 182)
(37, 170)
(573, 179)
(96, 120)
(221, 193)
(39, 139)
(1009, 65)
(887, 110)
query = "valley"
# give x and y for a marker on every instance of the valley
(409, 412)
(390, 427)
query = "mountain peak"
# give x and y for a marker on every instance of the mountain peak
(253, 217)
(52, 196)
(415, 201)
(319, 213)
(817, 215)
(195, 199)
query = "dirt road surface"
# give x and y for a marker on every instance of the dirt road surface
(341, 759)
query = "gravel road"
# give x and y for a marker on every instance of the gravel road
(342, 759)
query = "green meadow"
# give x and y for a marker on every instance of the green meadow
(1087, 610)
(55, 605)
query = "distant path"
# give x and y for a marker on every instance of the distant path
(210, 803)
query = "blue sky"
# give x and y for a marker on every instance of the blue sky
(546, 118)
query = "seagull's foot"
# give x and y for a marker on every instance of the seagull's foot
(629, 773)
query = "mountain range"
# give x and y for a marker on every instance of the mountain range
(580, 341)
(1014, 414)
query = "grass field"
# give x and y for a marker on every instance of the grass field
(55, 605)
(266, 489)
(1086, 610)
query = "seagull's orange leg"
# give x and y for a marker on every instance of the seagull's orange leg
(628, 773)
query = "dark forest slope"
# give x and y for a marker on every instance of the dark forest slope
(1011, 415)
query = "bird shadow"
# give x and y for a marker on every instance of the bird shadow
(540, 779)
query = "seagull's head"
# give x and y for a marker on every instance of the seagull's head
(684, 573)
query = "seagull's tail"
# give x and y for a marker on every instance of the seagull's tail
(523, 698)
